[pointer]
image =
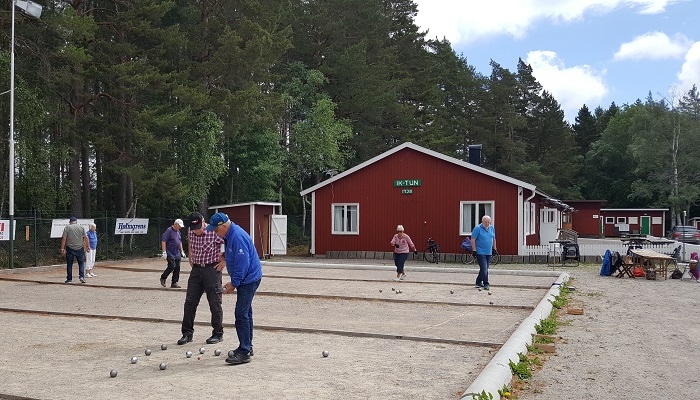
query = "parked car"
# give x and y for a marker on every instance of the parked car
(687, 234)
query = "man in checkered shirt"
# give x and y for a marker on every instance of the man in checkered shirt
(205, 253)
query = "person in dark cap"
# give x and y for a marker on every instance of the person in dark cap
(244, 267)
(206, 252)
(74, 245)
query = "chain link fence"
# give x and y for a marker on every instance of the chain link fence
(33, 245)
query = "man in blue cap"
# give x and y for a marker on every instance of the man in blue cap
(244, 268)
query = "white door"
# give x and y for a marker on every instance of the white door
(278, 234)
(549, 225)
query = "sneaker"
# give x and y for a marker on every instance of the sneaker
(487, 287)
(478, 286)
(238, 358)
(215, 339)
(175, 285)
(397, 279)
(184, 339)
(162, 282)
(402, 277)
(67, 281)
(82, 280)
(92, 274)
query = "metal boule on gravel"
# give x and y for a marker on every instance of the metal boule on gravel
(325, 353)
(231, 353)
(163, 366)
(164, 346)
(380, 290)
(188, 354)
(134, 360)
(452, 292)
(147, 352)
(217, 352)
(491, 302)
(489, 293)
(202, 350)
(113, 373)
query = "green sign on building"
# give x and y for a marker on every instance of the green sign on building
(407, 182)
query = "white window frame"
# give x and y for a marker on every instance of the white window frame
(656, 220)
(530, 218)
(346, 230)
(621, 220)
(609, 220)
(633, 220)
(468, 232)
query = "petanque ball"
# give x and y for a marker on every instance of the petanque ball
(188, 354)
(202, 350)
(113, 373)
(163, 366)
(231, 353)
(217, 352)
(325, 353)
(134, 360)
(164, 346)
(491, 302)
(380, 290)
(147, 352)
(452, 291)
(489, 293)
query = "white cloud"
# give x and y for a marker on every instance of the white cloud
(571, 86)
(690, 71)
(654, 46)
(467, 21)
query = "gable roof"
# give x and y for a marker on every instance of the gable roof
(409, 145)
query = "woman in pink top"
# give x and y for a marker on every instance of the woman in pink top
(401, 242)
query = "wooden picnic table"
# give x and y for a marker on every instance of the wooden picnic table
(651, 260)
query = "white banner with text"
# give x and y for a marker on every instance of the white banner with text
(131, 226)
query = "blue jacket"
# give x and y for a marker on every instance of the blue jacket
(242, 260)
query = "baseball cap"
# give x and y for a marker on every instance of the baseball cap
(216, 220)
(73, 219)
(194, 221)
(179, 222)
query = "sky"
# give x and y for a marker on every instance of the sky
(591, 52)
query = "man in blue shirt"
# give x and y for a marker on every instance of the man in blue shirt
(244, 268)
(483, 243)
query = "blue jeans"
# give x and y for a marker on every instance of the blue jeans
(244, 315)
(78, 255)
(483, 277)
(399, 261)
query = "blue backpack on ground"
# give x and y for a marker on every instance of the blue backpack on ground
(605, 269)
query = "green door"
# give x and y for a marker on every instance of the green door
(646, 225)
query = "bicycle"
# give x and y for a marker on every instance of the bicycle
(432, 252)
(468, 257)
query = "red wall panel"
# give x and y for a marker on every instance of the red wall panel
(432, 210)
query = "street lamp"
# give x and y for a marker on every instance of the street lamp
(33, 10)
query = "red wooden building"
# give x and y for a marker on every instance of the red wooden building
(586, 219)
(262, 222)
(431, 195)
(633, 221)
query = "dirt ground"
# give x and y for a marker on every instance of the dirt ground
(636, 339)
(429, 341)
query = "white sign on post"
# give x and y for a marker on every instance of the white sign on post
(57, 226)
(5, 229)
(131, 226)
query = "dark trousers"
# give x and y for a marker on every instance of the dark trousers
(203, 280)
(484, 262)
(174, 267)
(244, 315)
(78, 255)
(399, 261)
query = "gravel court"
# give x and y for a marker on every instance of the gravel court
(442, 362)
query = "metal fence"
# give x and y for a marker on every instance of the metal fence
(34, 246)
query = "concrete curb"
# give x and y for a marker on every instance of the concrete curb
(458, 270)
(497, 372)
